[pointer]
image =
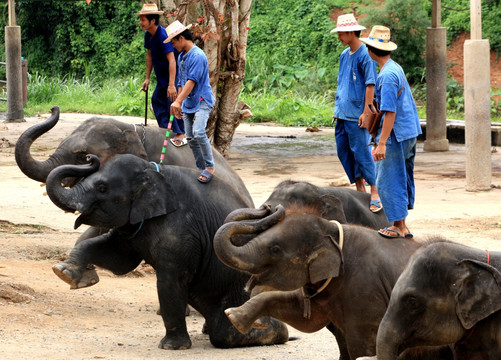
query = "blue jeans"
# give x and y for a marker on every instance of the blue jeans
(161, 107)
(195, 125)
(353, 152)
(395, 178)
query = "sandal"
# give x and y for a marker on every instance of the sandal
(178, 143)
(376, 203)
(208, 177)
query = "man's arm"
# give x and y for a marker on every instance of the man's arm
(171, 89)
(175, 108)
(389, 120)
(149, 67)
(369, 97)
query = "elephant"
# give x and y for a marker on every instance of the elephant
(320, 271)
(166, 217)
(449, 293)
(334, 203)
(106, 137)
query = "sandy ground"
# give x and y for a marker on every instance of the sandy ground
(41, 318)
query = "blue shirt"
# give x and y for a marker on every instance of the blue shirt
(390, 80)
(356, 71)
(159, 52)
(193, 65)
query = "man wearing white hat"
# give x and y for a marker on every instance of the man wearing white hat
(162, 58)
(396, 140)
(195, 99)
(355, 90)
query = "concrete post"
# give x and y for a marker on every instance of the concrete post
(436, 87)
(477, 115)
(15, 112)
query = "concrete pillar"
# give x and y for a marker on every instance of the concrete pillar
(436, 88)
(15, 112)
(477, 91)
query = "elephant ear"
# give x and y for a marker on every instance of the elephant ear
(326, 263)
(153, 197)
(478, 292)
(131, 144)
(332, 208)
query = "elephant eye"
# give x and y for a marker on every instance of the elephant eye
(412, 302)
(101, 188)
(81, 157)
(275, 250)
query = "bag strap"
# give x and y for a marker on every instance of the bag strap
(403, 85)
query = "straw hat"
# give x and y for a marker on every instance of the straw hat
(380, 38)
(150, 9)
(175, 29)
(346, 23)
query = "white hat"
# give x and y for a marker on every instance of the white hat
(380, 38)
(346, 23)
(149, 9)
(175, 29)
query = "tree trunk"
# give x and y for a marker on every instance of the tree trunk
(223, 26)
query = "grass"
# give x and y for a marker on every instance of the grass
(122, 97)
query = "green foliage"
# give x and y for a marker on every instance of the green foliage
(407, 20)
(456, 18)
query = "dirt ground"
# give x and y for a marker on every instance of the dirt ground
(41, 318)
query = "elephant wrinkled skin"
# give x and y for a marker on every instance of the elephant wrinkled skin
(448, 294)
(164, 215)
(298, 252)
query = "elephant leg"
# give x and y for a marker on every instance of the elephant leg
(341, 342)
(172, 290)
(106, 251)
(286, 306)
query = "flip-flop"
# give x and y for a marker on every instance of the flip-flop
(208, 177)
(376, 203)
(397, 236)
(409, 235)
(183, 142)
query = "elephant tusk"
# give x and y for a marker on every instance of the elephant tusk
(45, 193)
(42, 184)
(77, 212)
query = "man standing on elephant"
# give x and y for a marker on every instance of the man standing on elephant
(396, 139)
(195, 99)
(355, 91)
(162, 58)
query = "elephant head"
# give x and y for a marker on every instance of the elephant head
(101, 137)
(126, 190)
(305, 194)
(444, 291)
(281, 252)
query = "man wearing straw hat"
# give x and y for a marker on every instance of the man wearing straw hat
(162, 58)
(396, 140)
(195, 99)
(355, 90)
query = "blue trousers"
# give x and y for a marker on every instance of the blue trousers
(196, 134)
(395, 178)
(353, 151)
(161, 107)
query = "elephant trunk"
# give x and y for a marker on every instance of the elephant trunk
(387, 343)
(36, 170)
(248, 214)
(233, 245)
(67, 199)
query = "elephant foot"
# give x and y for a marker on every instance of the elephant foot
(180, 342)
(72, 275)
(242, 322)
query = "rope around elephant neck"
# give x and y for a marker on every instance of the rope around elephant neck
(307, 297)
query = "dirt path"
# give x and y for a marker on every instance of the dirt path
(116, 319)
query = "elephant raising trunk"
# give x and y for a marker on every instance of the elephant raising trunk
(36, 170)
(66, 198)
(228, 241)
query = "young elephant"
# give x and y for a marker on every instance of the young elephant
(163, 215)
(324, 272)
(448, 293)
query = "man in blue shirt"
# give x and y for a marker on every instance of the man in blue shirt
(396, 140)
(355, 90)
(195, 99)
(162, 58)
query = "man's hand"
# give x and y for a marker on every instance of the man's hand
(175, 109)
(145, 85)
(379, 153)
(171, 92)
(361, 120)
